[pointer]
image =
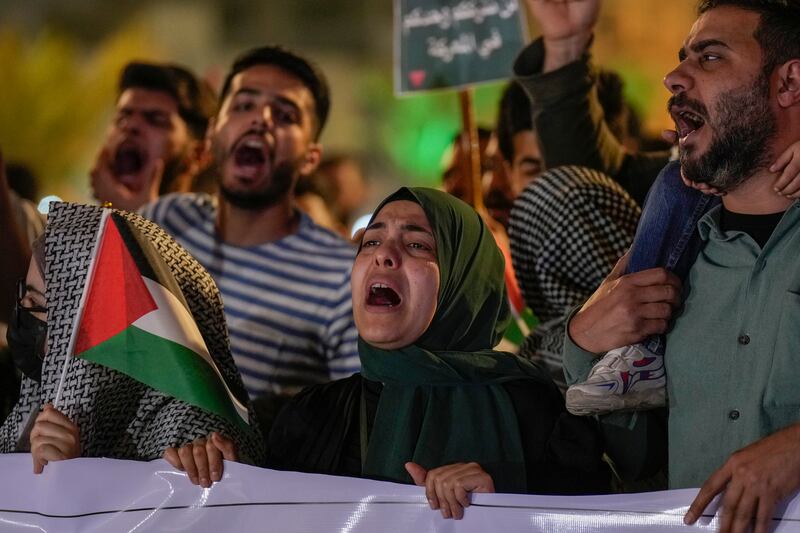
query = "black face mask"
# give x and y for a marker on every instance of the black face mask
(26, 335)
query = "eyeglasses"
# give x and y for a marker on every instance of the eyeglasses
(22, 290)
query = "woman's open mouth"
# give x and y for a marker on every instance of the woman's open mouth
(382, 295)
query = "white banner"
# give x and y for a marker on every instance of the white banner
(110, 495)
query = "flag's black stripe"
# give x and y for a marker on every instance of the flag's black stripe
(148, 261)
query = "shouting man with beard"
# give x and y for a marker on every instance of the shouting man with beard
(285, 281)
(733, 353)
(155, 144)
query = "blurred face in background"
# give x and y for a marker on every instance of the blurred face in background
(496, 183)
(146, 128)
(525, 167)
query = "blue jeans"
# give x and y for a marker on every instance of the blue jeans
(667, 232)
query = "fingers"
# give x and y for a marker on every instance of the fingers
(186, 454)
(450, 487)
(743, 512)
(702, 187)
(52, 432)
(417, 473)
(654, 276)
(763, 522)
(620, 266)
(43, 453)
(788, 183)
(102, 165)
(433, 497)
(706, 189)
(52, 415)
(54, 437)
(202, 459)
(782, 161)
(201, 462)
(667, 294)
(101, 175)
(214, 457)
(38, 465)
(172, 457)
(729, 506)
(713, 486)
(226, 446)
(440, 482)
(55, 442)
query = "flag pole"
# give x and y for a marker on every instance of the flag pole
(470, 147)
(77, 319)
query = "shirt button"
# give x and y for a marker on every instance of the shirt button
(733, 415)
(744, 339)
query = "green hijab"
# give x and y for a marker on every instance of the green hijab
(443, 399)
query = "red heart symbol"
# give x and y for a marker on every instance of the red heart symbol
(416, 77)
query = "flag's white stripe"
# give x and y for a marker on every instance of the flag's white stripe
(173, 322)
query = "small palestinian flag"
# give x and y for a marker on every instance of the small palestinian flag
(524, 320)
(133, 318)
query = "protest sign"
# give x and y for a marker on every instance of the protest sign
(455, 43)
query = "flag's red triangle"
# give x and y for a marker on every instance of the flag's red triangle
(116, 294)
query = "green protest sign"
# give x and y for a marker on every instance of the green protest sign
(454, 43)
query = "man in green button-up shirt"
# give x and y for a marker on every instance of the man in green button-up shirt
(733, 355)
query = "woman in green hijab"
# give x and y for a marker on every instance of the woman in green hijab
(434, 404)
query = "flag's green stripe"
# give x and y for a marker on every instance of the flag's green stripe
(514, 334)
(167, 367)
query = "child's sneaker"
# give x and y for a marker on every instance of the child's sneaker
(626, 378)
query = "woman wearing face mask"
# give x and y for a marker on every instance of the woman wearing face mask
(434, 404)
(103, 412)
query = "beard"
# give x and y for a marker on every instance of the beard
(278, 185)
(743, 129)
(277, 189)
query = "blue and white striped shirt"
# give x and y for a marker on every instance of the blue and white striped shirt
(287, 303)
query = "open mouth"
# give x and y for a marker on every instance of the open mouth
(382, 295)
(250, 153)
(128, 160)
(686, 123)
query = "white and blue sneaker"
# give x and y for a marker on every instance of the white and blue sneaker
(627, 378)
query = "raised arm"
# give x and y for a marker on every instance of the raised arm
(557, 74)
(567, 28)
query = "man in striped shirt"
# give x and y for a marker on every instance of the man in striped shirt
(285, 281)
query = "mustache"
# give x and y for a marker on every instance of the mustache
(252, 131)
(684, 101)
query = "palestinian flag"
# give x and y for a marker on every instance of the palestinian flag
(524, 320)
(133, 318)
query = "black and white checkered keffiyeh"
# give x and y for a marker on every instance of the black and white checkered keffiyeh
(118, 416)
(567, 229)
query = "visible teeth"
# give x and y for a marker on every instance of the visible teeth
(691, 116)
(254, 143)
(376, 286)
